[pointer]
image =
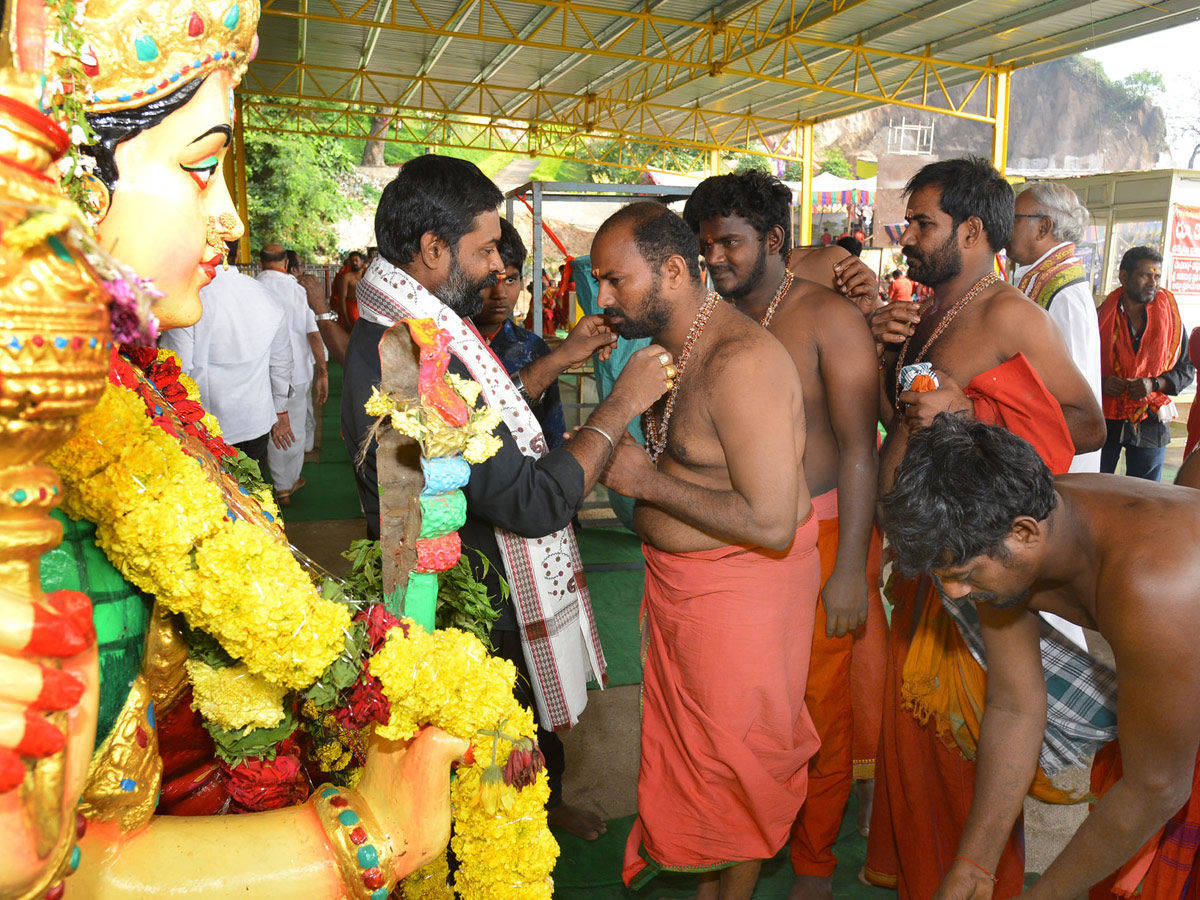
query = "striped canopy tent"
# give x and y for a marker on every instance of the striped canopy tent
(829, 190)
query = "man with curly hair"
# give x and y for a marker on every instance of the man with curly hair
(742, 224)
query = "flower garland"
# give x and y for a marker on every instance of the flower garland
(289, 677)
(175, 527)
(501, 840)
(65, 54)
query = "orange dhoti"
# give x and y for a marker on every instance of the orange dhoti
(726, 739)
(844, 696)
(934, 690)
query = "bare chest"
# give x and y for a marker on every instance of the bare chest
(960, 346)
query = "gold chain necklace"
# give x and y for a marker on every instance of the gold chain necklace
(986, 281)
(656, 433)
(784, 286)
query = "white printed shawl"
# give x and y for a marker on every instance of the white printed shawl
(549, 593)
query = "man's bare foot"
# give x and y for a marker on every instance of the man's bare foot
(812, 887)
(580, 822)
(864, 790)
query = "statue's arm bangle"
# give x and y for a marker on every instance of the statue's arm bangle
(363, 852)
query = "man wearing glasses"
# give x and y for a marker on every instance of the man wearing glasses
(1049, 220)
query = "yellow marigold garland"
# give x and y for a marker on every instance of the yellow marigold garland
(430, 882)
(162, 518)
(233, 697)
(448, 679)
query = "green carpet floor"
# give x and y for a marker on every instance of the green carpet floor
(329, 492)
(591, 870)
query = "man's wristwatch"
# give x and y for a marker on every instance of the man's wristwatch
(330, 316)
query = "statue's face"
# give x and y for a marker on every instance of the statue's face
(164, 215)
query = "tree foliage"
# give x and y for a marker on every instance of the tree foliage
(1144, 85)
(835, 163)
(296, 187)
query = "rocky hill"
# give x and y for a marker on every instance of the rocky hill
(1066, 117)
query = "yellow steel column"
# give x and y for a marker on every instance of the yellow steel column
(804, 238)
(239, 195)
(714, 162)
(1000, 128)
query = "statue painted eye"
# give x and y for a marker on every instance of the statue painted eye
(202, 171)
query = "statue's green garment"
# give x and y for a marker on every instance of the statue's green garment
(121, 612)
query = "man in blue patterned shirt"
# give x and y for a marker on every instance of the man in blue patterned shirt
(534, 366)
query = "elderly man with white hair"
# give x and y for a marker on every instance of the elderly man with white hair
(1049, 220)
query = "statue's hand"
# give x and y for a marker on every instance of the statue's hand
(48, 662)
(407, 785)
(61, 627)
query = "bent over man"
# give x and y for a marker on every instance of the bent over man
(975, 506)
(731, 582)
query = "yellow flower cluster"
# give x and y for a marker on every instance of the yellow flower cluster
(430, 882)
(248, 591)
(447, 679)
(508, 855)
(161, 519)
(234, 697)
(475, 440)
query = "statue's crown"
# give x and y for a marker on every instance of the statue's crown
(136, 52)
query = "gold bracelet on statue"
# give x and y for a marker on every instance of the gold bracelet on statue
(363, 851)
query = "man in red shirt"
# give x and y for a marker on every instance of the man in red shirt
(901, 287)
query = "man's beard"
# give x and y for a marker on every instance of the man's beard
(750, 283)
(653, 320)
(938, 267)
(995, 600)
(460, 293)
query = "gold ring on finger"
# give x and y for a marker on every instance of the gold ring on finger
(670, 383)
(671, 371)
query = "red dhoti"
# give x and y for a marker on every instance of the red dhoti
(725, 736)
(1166, 866)
(844, 696)
(934, 691)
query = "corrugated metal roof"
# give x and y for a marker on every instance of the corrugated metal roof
(687, 71)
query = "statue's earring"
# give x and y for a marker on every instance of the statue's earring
(212, 236)
(228, 225)
(98, 196)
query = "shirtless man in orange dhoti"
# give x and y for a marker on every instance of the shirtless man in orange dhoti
(731, 581)
(1015, 370)
(741, 221)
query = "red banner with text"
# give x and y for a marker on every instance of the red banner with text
(1185, 231)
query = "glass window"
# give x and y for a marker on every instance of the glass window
(1091, 254)
(1147, 233)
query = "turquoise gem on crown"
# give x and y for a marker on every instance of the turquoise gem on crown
(147, 49)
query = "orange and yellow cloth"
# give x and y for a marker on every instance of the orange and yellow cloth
(934, 692)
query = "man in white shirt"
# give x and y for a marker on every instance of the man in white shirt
(286, 454)
(1049, 220)
(240, 356)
